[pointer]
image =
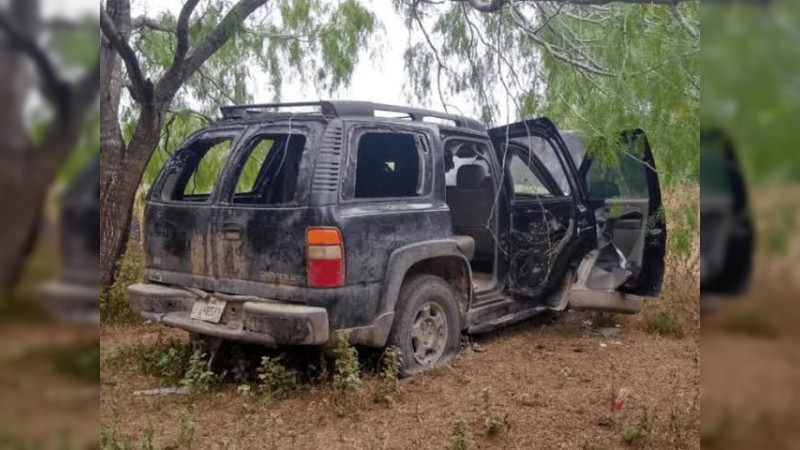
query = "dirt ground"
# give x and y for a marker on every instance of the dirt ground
(552, 379)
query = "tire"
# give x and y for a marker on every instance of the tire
(428, 302)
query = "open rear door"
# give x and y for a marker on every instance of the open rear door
(624, 193)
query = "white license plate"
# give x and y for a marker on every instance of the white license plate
(208, 310)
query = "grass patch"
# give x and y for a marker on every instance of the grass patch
(751, 323)
(461, 439)
(347, 374)
(81, 362)
(275, 378)
(390, 362)
(166, 359)
(198, 378)
(636, 434)
(717, 433)
(663, 323)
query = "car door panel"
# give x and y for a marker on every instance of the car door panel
(548, 217)
(624, 192)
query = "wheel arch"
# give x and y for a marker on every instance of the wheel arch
(441, 258)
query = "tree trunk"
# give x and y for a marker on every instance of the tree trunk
(117, 195)
(112, 146)
(122, 168)
(21, 200)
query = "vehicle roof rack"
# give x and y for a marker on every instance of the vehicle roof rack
(346, 108)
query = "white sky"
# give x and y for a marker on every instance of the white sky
(379, 80)
(70, 8)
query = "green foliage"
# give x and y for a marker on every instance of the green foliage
(198, 379)
(597, 70)
(461, 438)
(390, 363)
(495, 424)
(111, 440)
(275, 378)
(208, 169)
(750, 90)
(115, 306)
(80, 361)
(165, 359)
(637, 433)
(751, 323)
(251, 168)
(308, 40)
(347, 376)
(780, 229)
(663, 323)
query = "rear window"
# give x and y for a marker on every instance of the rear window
(193, 171)
(388, 165)
(268, 172)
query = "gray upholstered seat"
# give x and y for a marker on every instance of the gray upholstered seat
(470, 203)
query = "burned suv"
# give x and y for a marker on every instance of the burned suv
(398, 226)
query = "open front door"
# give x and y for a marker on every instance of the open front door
(547, 217)
(624, 193)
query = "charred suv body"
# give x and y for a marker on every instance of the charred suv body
(399, 226)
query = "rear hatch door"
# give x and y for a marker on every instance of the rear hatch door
(180, 209)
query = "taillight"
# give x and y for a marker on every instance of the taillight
(324, 257)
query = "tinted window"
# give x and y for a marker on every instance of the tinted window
(618, 172)
(192, 172)
(387, 165)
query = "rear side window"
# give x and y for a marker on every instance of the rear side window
(268, 172)
(193, 171)
(388, 165)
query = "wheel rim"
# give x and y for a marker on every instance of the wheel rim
(429, 333)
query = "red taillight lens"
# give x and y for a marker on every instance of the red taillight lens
(324, 257)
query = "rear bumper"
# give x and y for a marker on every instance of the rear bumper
(245, 319)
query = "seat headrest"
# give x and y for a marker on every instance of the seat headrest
(470, 176)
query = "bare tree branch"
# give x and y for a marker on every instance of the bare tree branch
(55, 88)
(439, 63)
(152, 24)
(489, 6)
(221, 34)
(182, 30)
(523, 24)
(141, 88)
(693, 33)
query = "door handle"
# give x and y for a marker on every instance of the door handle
(231, 231)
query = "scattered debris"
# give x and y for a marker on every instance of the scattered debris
(608, 332)
(619, 399)
(164, 391)
(477, 348)
(605, 422)
(603, 345)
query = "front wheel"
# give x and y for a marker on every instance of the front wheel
(427, 325)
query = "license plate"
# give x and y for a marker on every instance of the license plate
(208, 310)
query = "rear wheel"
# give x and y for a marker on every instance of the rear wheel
(427, 325)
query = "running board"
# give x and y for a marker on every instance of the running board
(609, 301)
(506, 320)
